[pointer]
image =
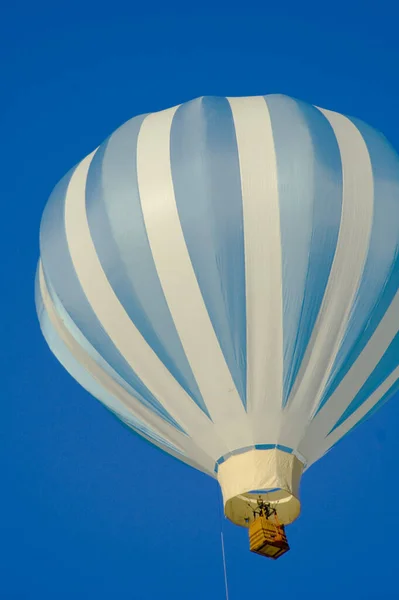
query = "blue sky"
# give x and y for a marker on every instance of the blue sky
(87, 509)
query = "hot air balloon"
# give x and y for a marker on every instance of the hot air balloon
(223, 276)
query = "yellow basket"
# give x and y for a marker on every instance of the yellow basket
(267, 538)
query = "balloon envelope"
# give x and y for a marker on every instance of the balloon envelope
(223, 276)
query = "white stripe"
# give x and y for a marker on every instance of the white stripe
(263, 270)
(128, 405)
(179, 282)
(351, 384)
(345, 276)
(118, 326)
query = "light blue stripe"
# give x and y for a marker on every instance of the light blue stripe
(309, 174)
(79, 373)
(380, 280)
(387, 396)
(207, 185)
(140, 428)
(59, 270)
(118, 231)
(387, 364)
(264, 491)
(394, 389)
(92, 352)
(245, 449)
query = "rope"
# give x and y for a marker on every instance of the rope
(223, 552)
(224, 567)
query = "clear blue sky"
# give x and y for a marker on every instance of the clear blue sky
(87, 509)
